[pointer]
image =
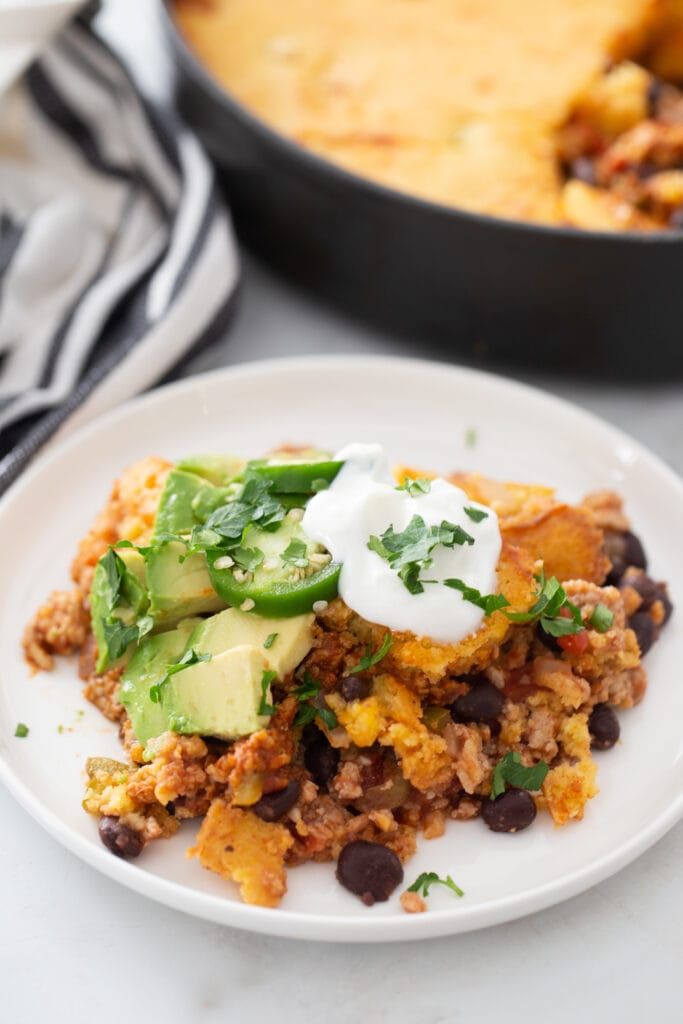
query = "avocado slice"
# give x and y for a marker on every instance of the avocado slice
(220, 697)
(291, 640)
(178, 588)
(118, 598)
(147, 666)
(175, 514)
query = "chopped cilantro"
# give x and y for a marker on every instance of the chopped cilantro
(429, 878)
(511, 770)
(476, 514)
(264, 707)
(190, 657)
(489, 603)
(307, 713)
(602, 619)
(254, 505)
(369, 659)
(270, 640)
(309, 688)
(21, 730)
(296, 554)
(248, 559)
(420, 485)
(409, 551)
(555, 614)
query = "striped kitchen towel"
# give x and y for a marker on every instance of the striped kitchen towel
(117, 257)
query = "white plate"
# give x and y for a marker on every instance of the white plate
(422, 413)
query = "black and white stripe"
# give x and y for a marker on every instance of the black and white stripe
(117, 257)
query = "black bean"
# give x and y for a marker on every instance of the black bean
(321, 759)
(643, 626)
(643, 585)
(667, 603)
(512, 811)
(483, 702)
(369, 870)
(274, 806)
(676, 219)
(356, 687)
(650, 591)
(623, 550)
(548, 640)
(603, 726)
(654, 95)
(121, 839)
(583, 168)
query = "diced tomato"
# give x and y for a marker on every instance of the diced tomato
(574, 643)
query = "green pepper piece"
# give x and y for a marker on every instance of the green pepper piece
(297, 477)
(272, 598)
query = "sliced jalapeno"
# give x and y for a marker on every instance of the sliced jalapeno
(297, 477)
(282, 572)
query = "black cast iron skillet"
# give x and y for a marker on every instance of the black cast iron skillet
(487, 289)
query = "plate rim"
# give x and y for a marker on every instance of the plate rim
(306, 925)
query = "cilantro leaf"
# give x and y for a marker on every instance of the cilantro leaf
(190, 657)
(476, 514)
(511, 770)
(489, 603)
(264, 707)
(427, 879)
(309, 688)
(369, 659)
(296, 553)
(307, 713)
(420, 485)
(553, 611)
(602, 619)
(270, 640)
(409, 551)
(470, 437)
(248, 559)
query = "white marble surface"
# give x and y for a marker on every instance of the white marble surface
(76, 947)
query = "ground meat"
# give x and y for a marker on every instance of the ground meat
(413, 903)
(608, 511)
(60, 626)
(261, 753)
(129, 514)
(541, 732)
(469, 762)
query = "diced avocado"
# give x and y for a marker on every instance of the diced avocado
(178, 588)
(118, 597)
(220, 697)
(293, 638)
(217, 469)
(174, 514)
(147, 666)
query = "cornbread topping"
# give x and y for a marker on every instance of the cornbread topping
(456, 101)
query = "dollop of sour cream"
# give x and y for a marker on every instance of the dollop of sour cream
(363, 501)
